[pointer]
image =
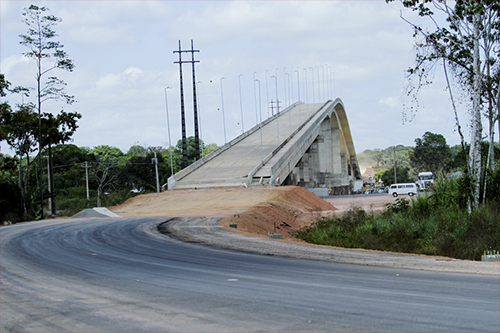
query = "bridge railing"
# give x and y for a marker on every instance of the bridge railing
(172, 180)
(281, 145)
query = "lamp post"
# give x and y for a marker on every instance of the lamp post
(319, 88)
(284, 87)
(298, 93)
(169, 141)
(289, 111)
(255, 98)
(305, 84)
(333, 84)
(277, 101)
(312, 72)
(267, 95)
(241, 104)
(278, 112)
(222, 103)
(260, 124)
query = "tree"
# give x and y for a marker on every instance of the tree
(210, 148)
(105, 168)
(49, 56)
(467, 43)
(137, 150)
(4, 87)
(431, 153)
(10, 194)
(387, 176)
(191, 149)
(19, 130)
(57, 129)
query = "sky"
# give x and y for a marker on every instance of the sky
(125, 77)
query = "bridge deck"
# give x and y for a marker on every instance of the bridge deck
(235, 163)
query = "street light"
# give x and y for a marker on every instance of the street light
(260, 123)
(278, 112)
(312, 72)
(319, 88)
(284, 87)
(169, 141)
(277, 100)
(241, 104)
(267, 95)
(288, 103)
(222, 102)
(255, 98)
(305, 84)
(298, 93)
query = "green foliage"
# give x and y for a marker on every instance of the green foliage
(190, 149)
(10, 193)
(436, 224)
(210, 148)
(387, 175)
(431, 153)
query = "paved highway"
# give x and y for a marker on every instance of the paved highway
(122, 275)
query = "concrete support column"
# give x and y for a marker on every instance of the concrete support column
(324, 141)
(336, 152)
(344, 163)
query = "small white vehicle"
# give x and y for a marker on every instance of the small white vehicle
(404, 188)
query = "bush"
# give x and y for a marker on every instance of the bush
(436, 224)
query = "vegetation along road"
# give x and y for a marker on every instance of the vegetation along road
(123, 275)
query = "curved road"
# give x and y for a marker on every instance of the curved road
(122, 275)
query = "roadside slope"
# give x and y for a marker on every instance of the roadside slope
(255, 210)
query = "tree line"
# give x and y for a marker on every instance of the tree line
(430, 153)
(85, 178)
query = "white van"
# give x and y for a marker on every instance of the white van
(406, 188)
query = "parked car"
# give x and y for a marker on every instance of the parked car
(369, 191)
(381, 190)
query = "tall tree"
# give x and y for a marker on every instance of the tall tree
(49, 56)
(467, 43)
(431, 153)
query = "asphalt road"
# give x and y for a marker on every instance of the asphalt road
(122, 275)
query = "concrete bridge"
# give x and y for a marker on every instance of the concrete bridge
(308, 145)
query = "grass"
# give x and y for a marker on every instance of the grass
(425, 225)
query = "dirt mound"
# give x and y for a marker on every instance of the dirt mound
(254, 210)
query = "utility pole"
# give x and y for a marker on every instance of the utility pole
(86, 166)
(155, 161)
(195, 108)
(87, 179)
(394, 157)
(183, 117)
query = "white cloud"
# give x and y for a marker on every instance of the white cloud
(390, 101)
(123, 51)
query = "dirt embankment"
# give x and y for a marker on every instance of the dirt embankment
(254, 210)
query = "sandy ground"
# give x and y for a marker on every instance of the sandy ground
(257, 212)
